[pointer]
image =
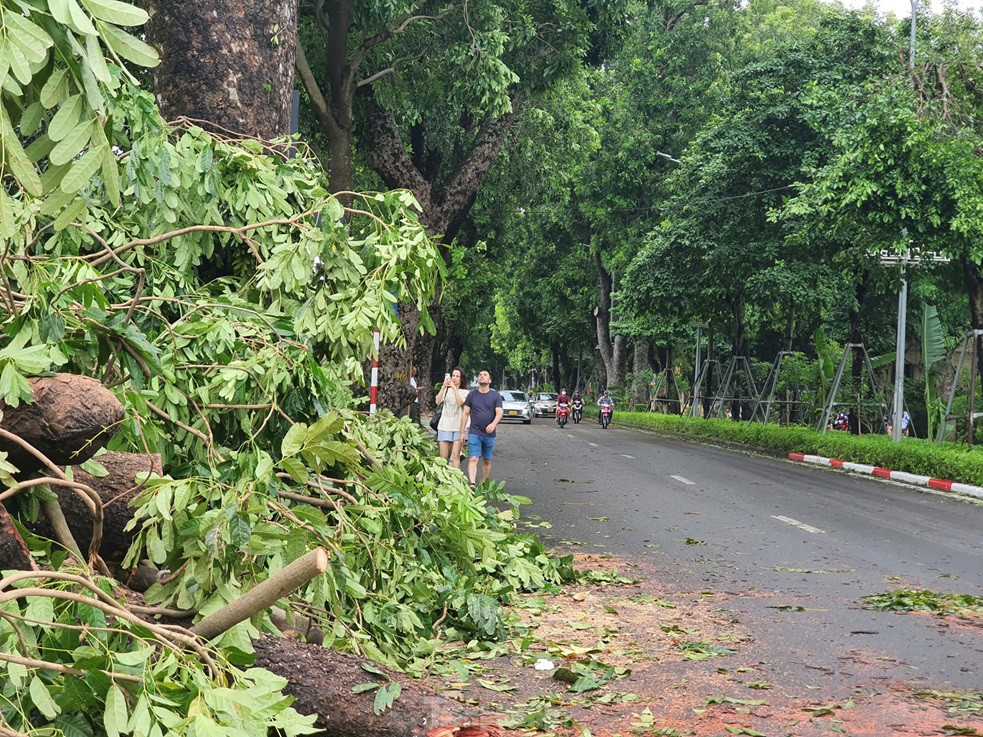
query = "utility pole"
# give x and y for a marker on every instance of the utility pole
(696, 371)
(908, 256)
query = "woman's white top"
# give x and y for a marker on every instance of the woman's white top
(450, 419)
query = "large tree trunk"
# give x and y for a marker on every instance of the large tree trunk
(641, 368)
(444, 203)
(739, 336)
(974, 292)
(321, 682)
(228, 63)
(555, 366)
(612, 350)
(116, 490)
(334, 105)
(14, 554)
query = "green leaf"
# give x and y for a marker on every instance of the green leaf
(83, 170)
(67, 216)
(55, 88)
(42, 699)
(72, 144)
(363, 687)
(117, 13)
(97, 62)
(296, 468)
(129, 47)
(66, 119)
(294, 440)
(20, 165)
(115, 717)
(74, 725)
(385, 697)
(30, 119)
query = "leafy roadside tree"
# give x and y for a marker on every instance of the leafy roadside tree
(718, 255)
(226, 298)
(907, 167)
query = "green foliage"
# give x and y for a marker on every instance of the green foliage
(939, 460)
(229, 302)
(61, 67)
(923, 600)
(410, 542)
(75, 660)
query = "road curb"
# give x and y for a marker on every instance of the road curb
(884, 473)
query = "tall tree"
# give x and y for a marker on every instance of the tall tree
(229, 64)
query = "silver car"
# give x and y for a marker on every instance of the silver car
(545, 404)
(515, 406)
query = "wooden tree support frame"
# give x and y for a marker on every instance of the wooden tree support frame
(721, 399)
(838, 380)
(974, 337)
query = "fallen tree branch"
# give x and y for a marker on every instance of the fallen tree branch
(264, 595)
(56, 517)
(59, 668)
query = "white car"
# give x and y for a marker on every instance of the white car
(545, 404)
(515, 406)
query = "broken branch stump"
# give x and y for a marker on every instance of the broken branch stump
(264, 594)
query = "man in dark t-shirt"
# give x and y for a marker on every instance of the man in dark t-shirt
(484, 408)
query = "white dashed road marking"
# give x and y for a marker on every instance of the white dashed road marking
(623, 455)
(569, 435)
(800, 525)
(594, 444)
(684, 480)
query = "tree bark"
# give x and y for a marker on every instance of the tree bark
(321, 682)
(116, 490)
(641, 367)
(444, 206)
(555, 366)
(229, 63)
(14, 554)
(70, 419)
(973, 280)
(612, 350)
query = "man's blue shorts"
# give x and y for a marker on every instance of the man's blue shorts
(479, 445)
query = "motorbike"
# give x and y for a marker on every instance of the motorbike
(562, 413)
(578, 411)
(605, 416)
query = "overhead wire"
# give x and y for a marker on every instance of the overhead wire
(706, 201)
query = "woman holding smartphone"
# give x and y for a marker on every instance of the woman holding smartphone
(451, 398)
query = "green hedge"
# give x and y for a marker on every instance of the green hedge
(945, 461)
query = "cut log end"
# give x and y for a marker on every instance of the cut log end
(70, 419)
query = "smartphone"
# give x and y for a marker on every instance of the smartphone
(446, 377)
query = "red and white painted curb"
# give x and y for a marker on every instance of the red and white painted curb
(908, 478)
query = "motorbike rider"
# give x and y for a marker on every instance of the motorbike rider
(577, 401)
(605, 399)
(563, 401)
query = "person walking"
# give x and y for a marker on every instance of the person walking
(484, 408)
(450, 399)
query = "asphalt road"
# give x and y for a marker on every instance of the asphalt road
(777, 534)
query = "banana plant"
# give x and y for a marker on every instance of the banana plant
(933, 352)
